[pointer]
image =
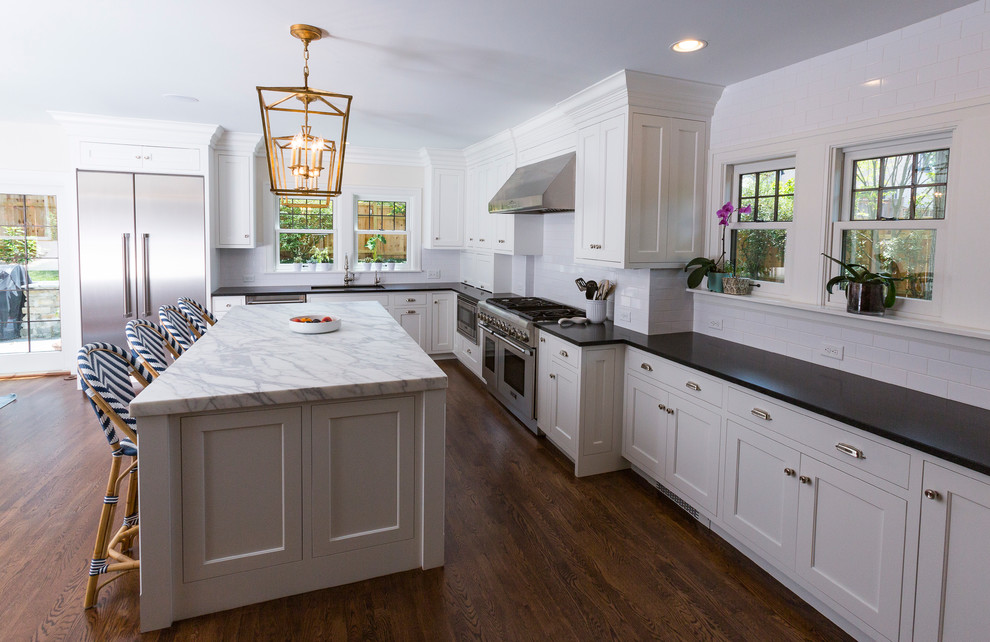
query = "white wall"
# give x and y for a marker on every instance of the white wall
(932, 76)
(33, 146)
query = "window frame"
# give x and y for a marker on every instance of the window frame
(287, 267)
(841, 219)
(735, 171)
(413, 200)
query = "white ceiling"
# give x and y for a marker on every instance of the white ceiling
(433, 73)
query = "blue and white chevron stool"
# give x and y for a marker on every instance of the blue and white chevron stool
(105, 372)
(177, 324)
(151, 345)
(197, 313)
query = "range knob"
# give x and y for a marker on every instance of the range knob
(524, 336)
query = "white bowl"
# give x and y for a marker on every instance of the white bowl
(317, 327)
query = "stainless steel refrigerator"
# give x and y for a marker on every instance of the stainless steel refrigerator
(142, 244)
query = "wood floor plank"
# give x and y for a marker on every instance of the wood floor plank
(532, 553)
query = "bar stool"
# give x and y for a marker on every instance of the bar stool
(197, 313)
(151, 345)
(105, 371)
(177, 324)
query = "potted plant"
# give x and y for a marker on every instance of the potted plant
(297, 260)
(713, 268)
(869, 293)
(374, 244)
(321, 257)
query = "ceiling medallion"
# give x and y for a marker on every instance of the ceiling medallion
(305, 134)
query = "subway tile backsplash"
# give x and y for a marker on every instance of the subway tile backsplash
(934, 363)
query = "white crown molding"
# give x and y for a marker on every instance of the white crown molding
(382, 156)
(549, 126)
(442, 158)
(242, 142)
(141, 131)
(501, 144)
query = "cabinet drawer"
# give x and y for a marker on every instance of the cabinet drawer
(403, 299)
(562, 351)
(684, 381)
(843, 445)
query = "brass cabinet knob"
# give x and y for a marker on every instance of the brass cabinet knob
(662, 407)
(805, 479)
(932, 494)
(789, 472)
(563, 353)
(553, 376)
(670, 411)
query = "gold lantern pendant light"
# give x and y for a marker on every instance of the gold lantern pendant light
(306, 163)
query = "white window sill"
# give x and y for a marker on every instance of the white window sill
(905, 326)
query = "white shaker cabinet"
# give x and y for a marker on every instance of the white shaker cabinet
(442, 322)
(644, 426)
(236, 202)
(444, 209)
(413, 320)
(222, 304)
(640, 191)
(579, 394)
(953, 558)
(147, 158)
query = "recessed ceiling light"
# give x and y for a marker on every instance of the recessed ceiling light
(181, 98)
(688, 45)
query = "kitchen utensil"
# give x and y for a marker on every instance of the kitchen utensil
(569, 321)
(590, 291)
(582, 285)
(603, 289)
(611, 289)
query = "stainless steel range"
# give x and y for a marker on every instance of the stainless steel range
(509, 336)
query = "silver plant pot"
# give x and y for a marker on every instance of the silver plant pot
(865, 298)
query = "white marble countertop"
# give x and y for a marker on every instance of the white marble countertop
(251, 358)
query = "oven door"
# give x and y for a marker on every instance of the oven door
(509, 371)
(467, 319)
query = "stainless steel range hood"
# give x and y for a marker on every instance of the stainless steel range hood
(540, 188)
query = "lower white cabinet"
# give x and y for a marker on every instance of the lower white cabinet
(413, 320)
(841, 535)
(579, 395)
(442, 322)
(468, 353)
(953, 558)
(223, 304)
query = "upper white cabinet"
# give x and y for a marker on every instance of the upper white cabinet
(640, 190)
(953, 564)
(237, 190)
(146, 158)
(444, 200)
(641, 151)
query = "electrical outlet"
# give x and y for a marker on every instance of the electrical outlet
(832, 351)
(433, 274)
(714, 324)
(249, 278)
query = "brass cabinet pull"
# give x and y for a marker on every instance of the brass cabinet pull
(646, 366)
(563, 353)
(762, 414)
(789, 472)
(662, 407)
(542, 340)
(693, 386)
(932, 494)
(849, 450)
(410, 312)
(410, 300)
(805, 479)
(553, 376)
(670, 411)
(468, 350)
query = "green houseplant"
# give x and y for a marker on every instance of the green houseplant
(869, 293)
(713, 268)
(321, 257)
(375, 243)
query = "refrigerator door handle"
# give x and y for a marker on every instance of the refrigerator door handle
(147, 276)
(126, 246)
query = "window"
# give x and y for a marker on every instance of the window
(758, 247)
(381, 232)
(305, 233)
(893, 207)
(30, 308)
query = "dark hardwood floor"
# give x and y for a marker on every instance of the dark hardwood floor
(532, 553)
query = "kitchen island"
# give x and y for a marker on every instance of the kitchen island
(274, 463)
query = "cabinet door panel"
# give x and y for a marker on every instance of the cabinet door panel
(413, 321)
(597, 401)
(363, 478)
(613, 168)
(241, 483)
(693, 438)
(235, 201)
(685, 191)
(442, 322)
(953, 563)
(564, 409)
(851, 544)
(647, 196)
(644, 426)
(760, 499)
(589, 217)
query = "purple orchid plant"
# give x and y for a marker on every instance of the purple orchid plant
(704, 265)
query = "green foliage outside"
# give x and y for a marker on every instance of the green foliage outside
(15, 248)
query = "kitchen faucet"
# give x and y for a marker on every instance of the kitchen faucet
(348, 275)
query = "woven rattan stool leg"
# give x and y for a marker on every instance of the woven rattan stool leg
(99, 562)
(131, 506)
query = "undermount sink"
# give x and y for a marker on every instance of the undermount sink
(345, 288)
